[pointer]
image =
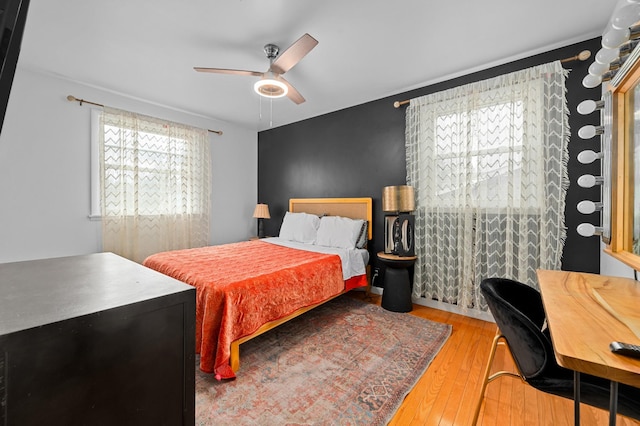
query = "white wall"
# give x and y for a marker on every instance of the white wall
(44, 169)
(613, 267)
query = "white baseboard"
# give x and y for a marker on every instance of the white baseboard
(447, 307)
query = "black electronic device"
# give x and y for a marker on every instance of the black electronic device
(399, 234)
(625, 349)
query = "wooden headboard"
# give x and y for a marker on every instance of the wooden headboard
(353, 208)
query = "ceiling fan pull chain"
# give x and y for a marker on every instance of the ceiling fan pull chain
(271, 112)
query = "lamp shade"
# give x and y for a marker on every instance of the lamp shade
(398, 199)
(261, 212)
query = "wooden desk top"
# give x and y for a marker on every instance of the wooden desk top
(586, 312)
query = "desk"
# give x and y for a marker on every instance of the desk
(582, 327)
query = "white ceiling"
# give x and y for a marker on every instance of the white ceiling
(368, 49)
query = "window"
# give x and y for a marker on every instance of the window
(150, 180)
(490, 157)
(488, 163)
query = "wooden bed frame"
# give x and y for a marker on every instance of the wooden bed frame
(354, 208)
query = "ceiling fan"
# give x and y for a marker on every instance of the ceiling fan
(271, 83)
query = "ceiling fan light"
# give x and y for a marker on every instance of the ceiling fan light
(270, 88)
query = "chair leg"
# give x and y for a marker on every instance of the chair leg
(485, 379)
(488, 379)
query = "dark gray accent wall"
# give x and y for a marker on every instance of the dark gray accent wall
(357, 151)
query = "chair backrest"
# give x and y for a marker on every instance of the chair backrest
(519, 313)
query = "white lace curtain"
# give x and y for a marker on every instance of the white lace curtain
(488, 164)
(155, 180)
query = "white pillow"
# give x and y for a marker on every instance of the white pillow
(341, 232)
(300, 227)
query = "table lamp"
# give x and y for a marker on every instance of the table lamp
(261, 212)
(398, 202)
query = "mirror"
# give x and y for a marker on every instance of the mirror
(623, 93)
(632, 122)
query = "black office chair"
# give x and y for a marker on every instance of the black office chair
(520, 317)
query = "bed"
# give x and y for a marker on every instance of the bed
(247, 288)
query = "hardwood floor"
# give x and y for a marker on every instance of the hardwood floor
(448, 391)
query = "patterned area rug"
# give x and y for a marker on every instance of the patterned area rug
(346, 362)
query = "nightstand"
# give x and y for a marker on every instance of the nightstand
(396, 295)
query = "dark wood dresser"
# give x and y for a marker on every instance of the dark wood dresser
(95, 340)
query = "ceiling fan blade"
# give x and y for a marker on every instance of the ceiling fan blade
(228, 71)
(292, 94)
(293, 54)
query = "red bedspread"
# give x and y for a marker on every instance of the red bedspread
(241, 286)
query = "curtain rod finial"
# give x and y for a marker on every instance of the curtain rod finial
(584, 55)
(398, 104)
